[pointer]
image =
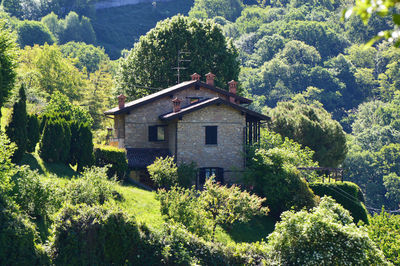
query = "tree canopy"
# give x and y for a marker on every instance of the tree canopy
(313, 127)
(150, 63)
(7, 62)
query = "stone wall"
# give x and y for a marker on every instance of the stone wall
(227, 154)
(139, 119)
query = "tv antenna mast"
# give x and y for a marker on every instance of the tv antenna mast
(180, 60)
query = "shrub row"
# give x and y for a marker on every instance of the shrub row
(96, 235)
(347, 194)
(108, 155)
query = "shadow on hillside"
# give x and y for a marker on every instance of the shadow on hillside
(255, 230)
(59, 169)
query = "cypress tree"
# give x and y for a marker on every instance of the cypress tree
(54, 145)
(17, 129)
(85, 139)
(34, 133)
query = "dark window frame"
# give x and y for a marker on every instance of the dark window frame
(207, 172)
(153, 133)
(211, 135)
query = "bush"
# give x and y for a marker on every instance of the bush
(164, 172)
(181, 205)
(17, 236)
(84, 235)
(201, 212)
(347, 194)
(34, 133)
(187, 174)
(270, 175)
(32, 195)
(108, 155)
(92, 188)
(325, 235)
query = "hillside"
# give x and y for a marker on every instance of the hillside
(119, 28)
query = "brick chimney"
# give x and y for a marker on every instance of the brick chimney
(195, 76)
(210, 78)
(176, 105)
(121, 101)
(232, 89)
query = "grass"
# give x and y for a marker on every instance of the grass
(143, 205)
(119, 28)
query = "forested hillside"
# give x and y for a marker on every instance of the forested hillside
(333, 102)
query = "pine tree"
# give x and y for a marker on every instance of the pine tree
(34, 133)
(17, 129)
(55, 143)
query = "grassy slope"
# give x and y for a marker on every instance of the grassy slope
(143, 205)
(120, 27)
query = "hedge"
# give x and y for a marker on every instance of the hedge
(108, 155)
(347, 194)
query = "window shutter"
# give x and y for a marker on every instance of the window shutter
(152, 133)
(211, 134)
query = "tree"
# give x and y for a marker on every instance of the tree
(325, 235)
(34, 32)
(384, 230)
(7, 63)
(272, 173)
(217, 205)
(45, 71)
(151, 60)
(16, 130)
(54, 145)
(312, 127)
(33, 133)
(229, 9)
(224, 206)
(366, 10)
(85, 157)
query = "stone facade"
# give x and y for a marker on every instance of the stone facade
(135, 124)
(228, 153)
(185, 137)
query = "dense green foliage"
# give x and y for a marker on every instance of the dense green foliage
(201, 212)
(56, 130)
(384, 230)
(270, 174)
(86, 55)
(116, 158)
(312, 127)
(34, 32)
(229, 9)
(325, 235)
(209, 52)
(163, 172)
(347, 194)
(33, 130)
(7, 62)
(17, 127)
(81, 147)
(72, 28)
(94, 235)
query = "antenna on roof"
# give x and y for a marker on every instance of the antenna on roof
(180, 60)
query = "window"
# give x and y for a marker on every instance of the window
(156, 133)
(211, 135)
(206, 172)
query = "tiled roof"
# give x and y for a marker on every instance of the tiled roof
(140, 158)
(170, 91)
(207, 102)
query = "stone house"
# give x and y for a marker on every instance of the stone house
(194, 121)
